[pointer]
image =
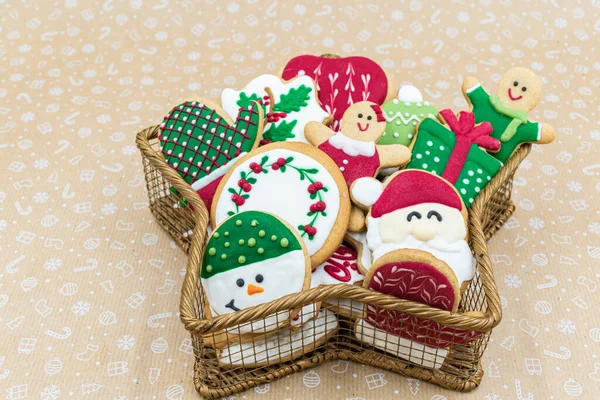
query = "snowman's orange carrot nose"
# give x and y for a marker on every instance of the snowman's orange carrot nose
(253, 289)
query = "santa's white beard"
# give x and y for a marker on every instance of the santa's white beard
(457, 255)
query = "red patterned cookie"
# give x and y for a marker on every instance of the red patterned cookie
(342, 81)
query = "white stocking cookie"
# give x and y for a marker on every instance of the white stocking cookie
(293, 104)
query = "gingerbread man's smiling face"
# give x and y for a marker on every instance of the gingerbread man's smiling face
(520, 89)
(363, 121)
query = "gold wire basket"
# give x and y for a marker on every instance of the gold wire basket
(457, 363)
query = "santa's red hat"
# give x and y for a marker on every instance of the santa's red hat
(405, 189)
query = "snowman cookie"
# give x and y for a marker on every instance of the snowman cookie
(201, 142)
(519, 91)
(418, 210)
(291, 105)
(253, 258)
(296, 182)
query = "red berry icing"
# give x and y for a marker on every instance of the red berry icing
(311, 230)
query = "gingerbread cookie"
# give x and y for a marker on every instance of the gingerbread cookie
(253, 258)
(457, 153)
(342, 81)
(354, 148)
(519, 91)
(416, 209)
(296, 182)
(403, 115)
(282, 346)
(417, 276)
(201, 142)
(291, 105)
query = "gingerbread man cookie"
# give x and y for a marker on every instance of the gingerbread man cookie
(518, 92)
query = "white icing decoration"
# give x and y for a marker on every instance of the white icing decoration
(351, 146)
(311, 112)
(282, 275)
(283, 345)
(392, 231)
(410, 94)
(407, 349)
(366, 191)
(284, 194)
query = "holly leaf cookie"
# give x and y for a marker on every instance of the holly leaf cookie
(253, 258)
(342, 81)
(292, 105)
(200, 142)
(296, 182)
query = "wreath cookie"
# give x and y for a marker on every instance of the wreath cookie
(296, 182)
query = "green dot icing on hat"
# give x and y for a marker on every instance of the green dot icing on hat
(212, 251)
(245, 227)
(227, 244)
(209, 268)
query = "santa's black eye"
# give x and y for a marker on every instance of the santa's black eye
(516, 83)
(369, 117)
(434, 213)
(240, 282)
(524, 88)
(259, 278)
(413, 214)
(360, 115)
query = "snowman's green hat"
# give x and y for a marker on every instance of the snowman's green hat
(247, 238)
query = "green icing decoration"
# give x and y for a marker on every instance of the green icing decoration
(245, 100)
(519, 117)
(212, 251)
(402, 118)
(266, 248)
(196, 140)
(209, 268)
(524, 132)
(226, 234)
(273, 238)
(293, 100)
(238, 222)
(241, 242)
(284, 242)
(280, 132)
(227, 244)
(431, 152)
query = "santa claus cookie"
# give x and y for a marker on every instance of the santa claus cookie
(282, 346)
(291, 105)
(416, 209)
(417, 276)
(297, 183)
(519, 91)
(201, 142)
(253, 258)
(342, 81)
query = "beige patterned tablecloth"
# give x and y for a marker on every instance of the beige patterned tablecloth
(90, 284)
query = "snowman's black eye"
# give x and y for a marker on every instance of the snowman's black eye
(259, 278)
(516, 83)
(360, 115)
(524, 89)
(369, 117)
(240, 282)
